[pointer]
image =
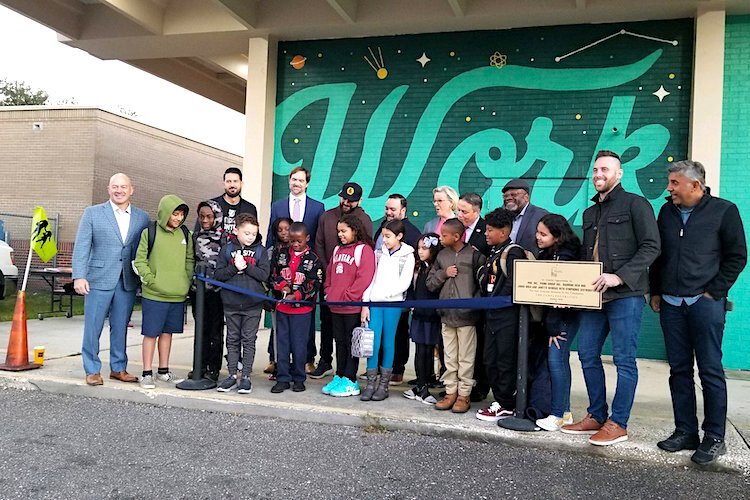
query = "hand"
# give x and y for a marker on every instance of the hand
(286, 290)
(364, 316)
(81, 286)
(556, 340)
(239, 262)
(656, 303)
(605, 281)
(451, 271)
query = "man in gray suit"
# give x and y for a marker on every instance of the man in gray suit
(516, 199)
(106, 242)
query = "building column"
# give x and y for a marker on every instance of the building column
(708, 92)
(260, 111)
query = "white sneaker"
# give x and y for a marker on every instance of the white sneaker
(567, 418)
(168, 377)
(551, 423)
(147, 382)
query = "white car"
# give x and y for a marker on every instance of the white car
(8, 271)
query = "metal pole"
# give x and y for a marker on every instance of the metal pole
(197, 382)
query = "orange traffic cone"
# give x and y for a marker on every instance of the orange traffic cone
(17, 357)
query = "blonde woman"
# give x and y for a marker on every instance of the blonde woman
(445, 200)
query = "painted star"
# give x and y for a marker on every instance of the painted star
(424, 59)
(661, 93)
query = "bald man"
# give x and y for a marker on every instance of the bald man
(107, 239)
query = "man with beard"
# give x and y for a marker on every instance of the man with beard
(516, 199)
(231, 202)
(619, 231)
(325, 241)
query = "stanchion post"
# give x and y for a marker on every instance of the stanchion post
(198, 382)
(519, 422)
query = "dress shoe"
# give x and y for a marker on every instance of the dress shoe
(709, 450)
(447, 402)
(123, 376)
(461, 405)
(309, 368)
(94, 379)
(679, 441)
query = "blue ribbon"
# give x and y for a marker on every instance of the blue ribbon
(497, 302)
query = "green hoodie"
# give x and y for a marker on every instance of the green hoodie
(167, 273)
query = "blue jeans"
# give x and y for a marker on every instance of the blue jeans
(622, 318)
(696, 332)
(558, 362)
(97, 305)
(384, 321)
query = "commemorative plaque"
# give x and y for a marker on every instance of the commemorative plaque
(556, 283)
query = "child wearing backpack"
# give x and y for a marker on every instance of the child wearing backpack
(454, 275)
(501, 325)
(280, 230)
(557, 241)
(164, 262)
(393, 272)
(244, 264)
(349, 274)
(425, 322)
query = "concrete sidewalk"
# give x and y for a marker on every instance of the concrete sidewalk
(651, 417)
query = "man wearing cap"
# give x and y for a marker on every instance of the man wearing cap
(325, 241)
(516, 199)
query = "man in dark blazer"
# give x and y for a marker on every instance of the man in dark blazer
(107, 238)
(297, 206)
(516, 199)
(469, 207)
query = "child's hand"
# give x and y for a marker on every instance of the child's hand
(364, 316)
(286, 290)
(451, 271)
(239, 262)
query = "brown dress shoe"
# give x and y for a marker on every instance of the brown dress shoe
(586, 426)
(447, 402)
(123, 376)
(94, 379)
(396, 379)
(610, 433)
(309, 368)
(461, 405)
(270, 368)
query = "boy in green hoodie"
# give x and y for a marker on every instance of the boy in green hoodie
(165, 264)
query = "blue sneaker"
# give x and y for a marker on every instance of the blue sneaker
(347, 388)
(331, 385)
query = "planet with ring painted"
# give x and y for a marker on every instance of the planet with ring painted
(298, 62)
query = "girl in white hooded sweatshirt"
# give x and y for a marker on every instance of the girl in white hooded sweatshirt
(393, 274)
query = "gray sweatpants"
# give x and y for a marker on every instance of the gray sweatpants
(242, 330)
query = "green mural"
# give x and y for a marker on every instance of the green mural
(475, 109)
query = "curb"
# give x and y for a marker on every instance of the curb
(376, 422)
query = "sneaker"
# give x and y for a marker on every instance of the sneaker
(322, 370)
(227, 384)
(411, 393)
(709, 450)
(331, 385)
(585, 426)
(213, 375)
(280, 387)
(680, 441)
(345, 388)
(245, 386)
(551, 423)
(168, 377)
(609, 434)
(147, 382)
(494, 412)
(362, 376)
(425, 397)
(567, 418)
(298, 387)
(412, 381)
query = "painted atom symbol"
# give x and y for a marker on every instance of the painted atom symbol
(498, 60)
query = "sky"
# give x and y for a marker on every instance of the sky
(31, 53)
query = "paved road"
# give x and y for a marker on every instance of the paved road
(54, 446)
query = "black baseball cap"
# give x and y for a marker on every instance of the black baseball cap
(517, 184)
(351, 191)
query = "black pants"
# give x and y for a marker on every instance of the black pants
(326, 336)
(213, 330)
(311, 350)
(501, 354)
(424, 363)
(401, 356)
(343, 324)
(480, 373)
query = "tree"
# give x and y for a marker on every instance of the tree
(18, 93)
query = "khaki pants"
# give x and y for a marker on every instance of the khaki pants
(459, 347)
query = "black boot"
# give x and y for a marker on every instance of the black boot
(372, 377)
(382, 391)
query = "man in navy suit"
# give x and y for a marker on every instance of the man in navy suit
(516, 199)
(106, 242)
(297, 206)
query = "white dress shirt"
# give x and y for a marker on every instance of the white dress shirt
(470, 230)
(123, 219)
(302, 202)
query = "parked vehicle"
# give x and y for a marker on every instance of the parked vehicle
(8, 271)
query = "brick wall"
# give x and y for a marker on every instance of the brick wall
(461, 121)
(735, 176)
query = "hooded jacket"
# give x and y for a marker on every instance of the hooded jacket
(393, 274)
(348, 275)
(207, 243)
(166, 274)
(253, 277)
